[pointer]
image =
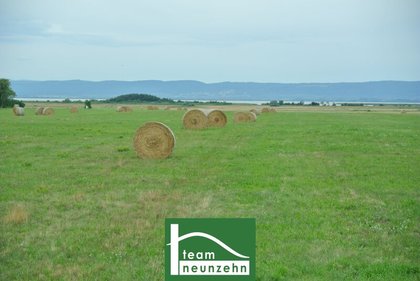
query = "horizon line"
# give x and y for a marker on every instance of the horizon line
(220, 82)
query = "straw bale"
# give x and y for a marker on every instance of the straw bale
(154, 140)
(47, 111)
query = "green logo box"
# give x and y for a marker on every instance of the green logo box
(210, 249)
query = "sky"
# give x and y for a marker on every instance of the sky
(211, 40)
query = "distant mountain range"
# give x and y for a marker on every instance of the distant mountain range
(378, 91)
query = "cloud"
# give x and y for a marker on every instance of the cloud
(54, 29)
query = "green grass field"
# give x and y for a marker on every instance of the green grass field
(335, 194)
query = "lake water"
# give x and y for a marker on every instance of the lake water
(258, 102)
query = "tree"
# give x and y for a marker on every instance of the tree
(88, 104)
(5, 92)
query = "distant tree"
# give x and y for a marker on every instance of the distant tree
(137, 98)
(88, 104)
(66, 100)
(20, 103)
(276, 103)
(6, 92)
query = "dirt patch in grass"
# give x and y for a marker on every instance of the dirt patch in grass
(17, 214)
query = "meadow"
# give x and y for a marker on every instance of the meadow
(335, 192)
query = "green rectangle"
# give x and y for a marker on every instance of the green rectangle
(217, 249)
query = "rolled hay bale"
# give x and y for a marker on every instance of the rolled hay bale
(252, 116)
(273, 109)
(195, 119)
(74, 109)
(154, 140)
(216, 118)
(124, 108)
(152, 107)
(265, 110)
(18, 111)
(255, 111)
(240, 117)
(47, 111)
(39, 111)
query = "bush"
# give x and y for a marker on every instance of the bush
(88, 104)
(12, 102)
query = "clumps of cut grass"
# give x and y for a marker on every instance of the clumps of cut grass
(17, 214)
(122, 149)
(124, 108)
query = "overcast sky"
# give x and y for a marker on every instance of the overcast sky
(210, 40)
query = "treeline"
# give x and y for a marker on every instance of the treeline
(281, 103)
(139, 98)
(313, 103)
(147, 98)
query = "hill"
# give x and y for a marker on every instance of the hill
(379, 91)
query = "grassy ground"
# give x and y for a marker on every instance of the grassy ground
(335, 194)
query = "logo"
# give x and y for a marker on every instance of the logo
(209, 249)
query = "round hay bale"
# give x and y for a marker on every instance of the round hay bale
(152, 107)
(255, 111)
(18, 111)
(216, 118)
(265, 110)
(154, 140)
(273, 109)
(124, 108)
(252, 116)
(195, 119)
(74, 109)
(14, 109)
(240, 117)
(47, 111)
(39, 111)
